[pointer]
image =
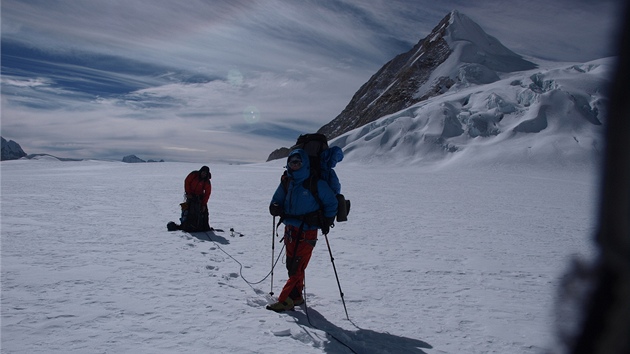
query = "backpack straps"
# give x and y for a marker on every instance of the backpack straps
(314, 218)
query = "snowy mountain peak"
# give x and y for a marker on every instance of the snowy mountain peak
(462, 28)
(473, 45)
(456, 53)
(551, 115)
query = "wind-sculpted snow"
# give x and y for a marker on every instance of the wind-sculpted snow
(552, 113)
(453, 260)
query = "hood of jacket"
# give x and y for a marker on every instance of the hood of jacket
(330, 157)
(205, 169)
(303, 172)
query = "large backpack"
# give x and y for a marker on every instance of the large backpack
(193, 218)
(314, 145)
(322, 161)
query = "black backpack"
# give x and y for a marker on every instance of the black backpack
(314, 145)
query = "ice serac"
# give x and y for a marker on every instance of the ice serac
(456, 52)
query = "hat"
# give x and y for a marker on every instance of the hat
(205, 169)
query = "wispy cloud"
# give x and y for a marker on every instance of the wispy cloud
(233, 80)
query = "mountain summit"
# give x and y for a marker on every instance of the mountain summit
(456, 52)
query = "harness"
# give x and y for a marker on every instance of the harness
(314, 218)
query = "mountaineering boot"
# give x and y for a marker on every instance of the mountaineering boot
(285, 305)
(299, 301)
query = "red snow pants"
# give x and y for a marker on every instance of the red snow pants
(299, 247)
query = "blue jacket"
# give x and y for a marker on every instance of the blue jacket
(298, 200)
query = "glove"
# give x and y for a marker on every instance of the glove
(328, 223)
(275, 209)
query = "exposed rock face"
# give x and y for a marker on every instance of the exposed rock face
(136, 159)
(279, 154)
(11, 150)
(551, 114)
(457, 52)
(132, 159)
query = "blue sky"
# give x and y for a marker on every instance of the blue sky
(209, 81)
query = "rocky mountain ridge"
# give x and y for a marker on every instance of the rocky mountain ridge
(457, 53)
(549, 114)
(11, 150)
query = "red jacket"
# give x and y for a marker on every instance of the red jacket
(194, 185)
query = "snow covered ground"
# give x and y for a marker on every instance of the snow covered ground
(432, 260)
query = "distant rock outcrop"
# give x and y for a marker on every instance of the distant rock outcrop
(456, 52)
(136, 159)
(279, 154)
(11, 150)
(132, 159)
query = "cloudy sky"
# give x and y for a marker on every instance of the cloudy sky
(232, 80)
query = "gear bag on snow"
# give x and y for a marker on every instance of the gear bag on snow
(322, 161)
(193, 218)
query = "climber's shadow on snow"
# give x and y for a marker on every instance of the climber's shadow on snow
(360, 341)
(211, 236)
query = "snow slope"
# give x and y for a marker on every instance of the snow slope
(553, 114)
(461, 258)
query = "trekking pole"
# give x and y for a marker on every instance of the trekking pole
(332, 260)
(273, 247)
